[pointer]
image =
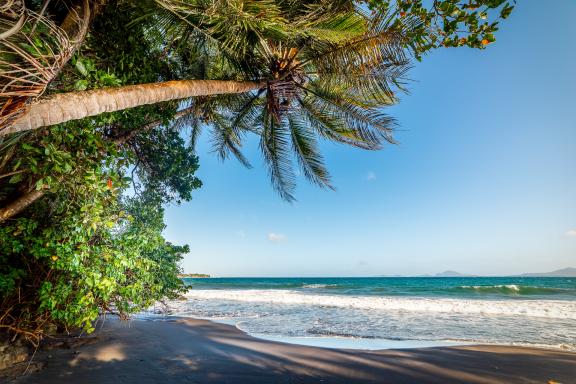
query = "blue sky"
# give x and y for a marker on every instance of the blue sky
(482, 182)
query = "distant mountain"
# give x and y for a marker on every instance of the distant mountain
(452, 274)
(441, 274)
(566, 272)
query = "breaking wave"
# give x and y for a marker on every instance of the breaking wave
(514, 289)
(554, 309)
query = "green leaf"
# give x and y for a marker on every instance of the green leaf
(506, 11)
(81, 85)
(39, 184)
(81, 67)
(14, 179)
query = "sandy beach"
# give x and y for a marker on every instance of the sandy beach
(199, 351)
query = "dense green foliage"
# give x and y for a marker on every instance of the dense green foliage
(86, 246)
(83, 247)
(446, 23)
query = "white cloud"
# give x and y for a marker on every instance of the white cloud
(241, 234)
(276, 237)
(371, 176)
(570, 233)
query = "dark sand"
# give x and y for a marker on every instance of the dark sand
(197, 351)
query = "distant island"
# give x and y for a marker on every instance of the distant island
(441, 274)
(452, 274)
(193, 275)
(565, 272)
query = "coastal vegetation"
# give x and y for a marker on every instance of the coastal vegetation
(101, 104)
(193, 276)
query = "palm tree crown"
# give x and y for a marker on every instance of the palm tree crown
(328, 68)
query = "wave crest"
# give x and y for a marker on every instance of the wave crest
(557, 309)
(513, 289)
(318, 286)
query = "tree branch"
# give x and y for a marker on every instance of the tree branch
(119, 140)
(12, 173)
(19, 204)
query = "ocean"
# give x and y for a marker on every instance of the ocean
(391, 311)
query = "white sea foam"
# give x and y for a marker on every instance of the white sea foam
(317, 285)
(554, 309)
(512, 287)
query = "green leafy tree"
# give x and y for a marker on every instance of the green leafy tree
(446, 23)
(83, 248)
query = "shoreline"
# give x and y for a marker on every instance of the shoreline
(201, 351)
(333, 342)
(366, 344)
(357, 343)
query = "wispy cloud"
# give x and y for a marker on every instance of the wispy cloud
(371, 176)
(276, 237)
(570, 233)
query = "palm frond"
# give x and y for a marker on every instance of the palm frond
(275, 146)
(33, 49)
(227, 140)
(239, 30)
(330, 127)
(370, 124)
(306, 149)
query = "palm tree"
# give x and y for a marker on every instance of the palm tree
(328, 76)
(76, 105)
(290, 71)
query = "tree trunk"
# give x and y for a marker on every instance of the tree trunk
(25, 200)
(64, 107)
(19, 205)
(76, 26)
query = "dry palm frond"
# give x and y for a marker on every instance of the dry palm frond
(13, 18)
(33, 49)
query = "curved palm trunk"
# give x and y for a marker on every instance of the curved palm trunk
(64, 107)
(22, 202)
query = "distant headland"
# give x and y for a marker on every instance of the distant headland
(452, 274)
(193, 275)
(565, 272)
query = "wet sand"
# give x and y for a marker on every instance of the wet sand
(199, 351)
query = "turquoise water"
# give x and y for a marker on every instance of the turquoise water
(499, 310)
(468, 287)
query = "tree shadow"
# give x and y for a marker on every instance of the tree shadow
(196, 351)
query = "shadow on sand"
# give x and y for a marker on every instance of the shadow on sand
(197, 351)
